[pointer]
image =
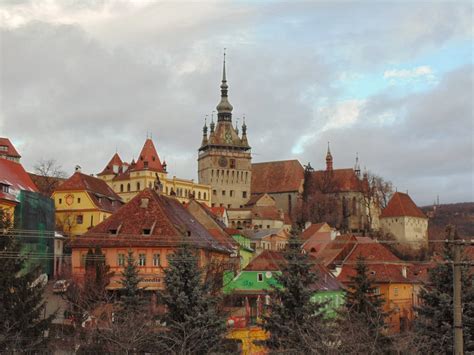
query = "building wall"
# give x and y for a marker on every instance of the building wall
(140, 180)
(407, 229)
(399, 302)
(287, 201)
(229, 173)
(70, 206)
(9, 209)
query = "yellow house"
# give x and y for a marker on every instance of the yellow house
(13, 179)
(127, 180)
(83, 201)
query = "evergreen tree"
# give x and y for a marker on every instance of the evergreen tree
(292, 314)
(364, 309)
(434, 324)
(193, 320)
(132, 298)
(22, 321)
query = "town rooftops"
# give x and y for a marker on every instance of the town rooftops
(148, 158)
(98, 190)
(15, 178)
(7, 149)
(114, 166)
(277, 176)
(401, 205)
(151, 219)
(337, 180)
(314, 228)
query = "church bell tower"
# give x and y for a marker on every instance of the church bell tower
(224, 159)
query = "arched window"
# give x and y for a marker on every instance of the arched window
(138, 186)
(199, 195)
(121, 187)
(128, 187)
(205, 195)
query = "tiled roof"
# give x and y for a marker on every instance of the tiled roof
(277, 176)
(168, 221)
(218, 210)
(13, 175)
(255, 235)
(312, 229)
(401, 205)
(267, 212)
(11, 151)
(337, 180)
(101, 193)
(274, 261)
(316, 242)
(109, 168)
(337, 250)
(46, 184)
(226, 135)
(148, 158)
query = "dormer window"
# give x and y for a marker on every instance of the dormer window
(189, 233)
(145, 164)
(146, 231)
(5, 188)
(113, 231)
(153, 158)
(4, 148)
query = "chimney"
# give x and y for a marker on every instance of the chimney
(404, 271)
(144, 203)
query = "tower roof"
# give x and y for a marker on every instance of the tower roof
(148, 158)
(224, 108)
(109, 168)
(7, 148)
(401, 205)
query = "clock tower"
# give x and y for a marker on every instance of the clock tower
(224, 160)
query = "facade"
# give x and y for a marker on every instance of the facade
(128, 179)
(274, 239)
(282, 180)
(8, 151)
(246, 252)
(405, 221)
(224, 160)
(343, 192)
(82, 202)
(151, 225)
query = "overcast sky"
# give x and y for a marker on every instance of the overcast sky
(393, 82)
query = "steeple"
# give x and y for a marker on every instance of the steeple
(357, 165)
(204, 133)
(224, 108)
(244, 134)
(328, 159)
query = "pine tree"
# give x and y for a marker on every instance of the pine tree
(364, 310)
(22, 321)
(132, 299)
(292, 314)
(434, 324)
(193, 320)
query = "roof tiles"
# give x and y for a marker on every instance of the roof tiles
(277, 176)
(401, 205)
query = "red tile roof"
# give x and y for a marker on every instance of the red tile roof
(148, 158)
(170, 224)
(401, 205)
(109, 168)
(13, 175)
(10, 148)
(337, 180)
(337, 250)
(277, 176)
(312, 229)
(267, 212)
(316, 242)
(101, 193)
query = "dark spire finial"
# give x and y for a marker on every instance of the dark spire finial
(224, 108)
(223, 69)
(329, 159)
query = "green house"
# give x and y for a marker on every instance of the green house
(251, 287)
(246, 252)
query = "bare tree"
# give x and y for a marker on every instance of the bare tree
(376, 194)
(49, 174)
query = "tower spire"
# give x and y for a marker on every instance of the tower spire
(224, 108)
(357, 165)
(329, 159)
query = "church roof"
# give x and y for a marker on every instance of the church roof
(401, 205)
(337, 180)
(148, 158)
(166, 220)
(277, 176)
(8, 149)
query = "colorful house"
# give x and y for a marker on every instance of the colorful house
(82, 202)
(245, 250)
(8, 151)
(128, 179)
(151, 225)
(249, 291)
(274, 239)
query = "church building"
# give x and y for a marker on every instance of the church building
(224, 159)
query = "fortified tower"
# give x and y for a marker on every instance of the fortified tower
(224, 160)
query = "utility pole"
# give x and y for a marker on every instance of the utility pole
(458, 336)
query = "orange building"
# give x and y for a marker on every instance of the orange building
(390, 275)
(152, 226)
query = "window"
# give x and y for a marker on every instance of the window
(113, 231)
(138, 186)
(60, 201)
(395, 291)
(231, 193)
(79, 219)
(121, 259)
(214, 192)
(232, 163)
(244, 194)
(4, 148)
(128, 187)
(121, 187)
(156, 259)
(205, 195)
(260, 277)
(199, 195)
(145, 164)
(146, 231)
(223, 192)
(78, 200)
(142, 259)
(228, 206)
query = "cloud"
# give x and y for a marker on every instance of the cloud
(420, 73)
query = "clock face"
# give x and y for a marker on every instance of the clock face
(222, 162)
(228, 137)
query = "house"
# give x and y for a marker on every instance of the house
(316, 236)
(82, 202)
(246, 252)
(282, 180)
(250, 290)
(128, 179)
(221, 214)
(274, 239)
(152, 226)
(405, 221)
(8, 151)
(389, 274)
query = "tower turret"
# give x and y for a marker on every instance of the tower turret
(329, 159)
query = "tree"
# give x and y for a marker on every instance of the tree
(293, 315)
(22, 321)
(376, 194)
(364, 317)
(132, 299)
(194, 323)
(434, 324)
(50, 175)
